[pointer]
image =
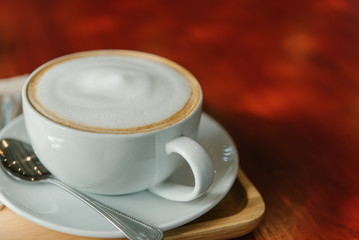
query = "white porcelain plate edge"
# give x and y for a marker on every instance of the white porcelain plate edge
(53, 208)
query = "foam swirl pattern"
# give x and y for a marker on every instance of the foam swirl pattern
(109, 92)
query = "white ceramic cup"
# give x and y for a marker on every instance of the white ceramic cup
(121, 162)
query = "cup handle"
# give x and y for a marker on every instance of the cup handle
(200, 164)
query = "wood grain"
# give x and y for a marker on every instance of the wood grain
(238, 214)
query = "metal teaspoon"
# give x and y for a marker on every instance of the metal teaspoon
(19, 160)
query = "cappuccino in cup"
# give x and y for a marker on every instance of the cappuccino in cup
(114, 92)
(117, 122)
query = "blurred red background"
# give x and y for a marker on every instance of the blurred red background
(281, 76)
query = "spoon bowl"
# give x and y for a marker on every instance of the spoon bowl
(19, 161)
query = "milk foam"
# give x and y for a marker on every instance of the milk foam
(112, 92)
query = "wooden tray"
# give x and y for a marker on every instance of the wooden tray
(236, 215)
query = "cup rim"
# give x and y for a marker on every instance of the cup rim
(157, 127)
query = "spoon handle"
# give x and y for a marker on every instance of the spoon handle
(131, 227)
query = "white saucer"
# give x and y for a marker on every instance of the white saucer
(51, 207)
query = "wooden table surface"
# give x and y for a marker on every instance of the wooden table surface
(281, 76)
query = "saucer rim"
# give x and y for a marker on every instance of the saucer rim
(210, 203)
